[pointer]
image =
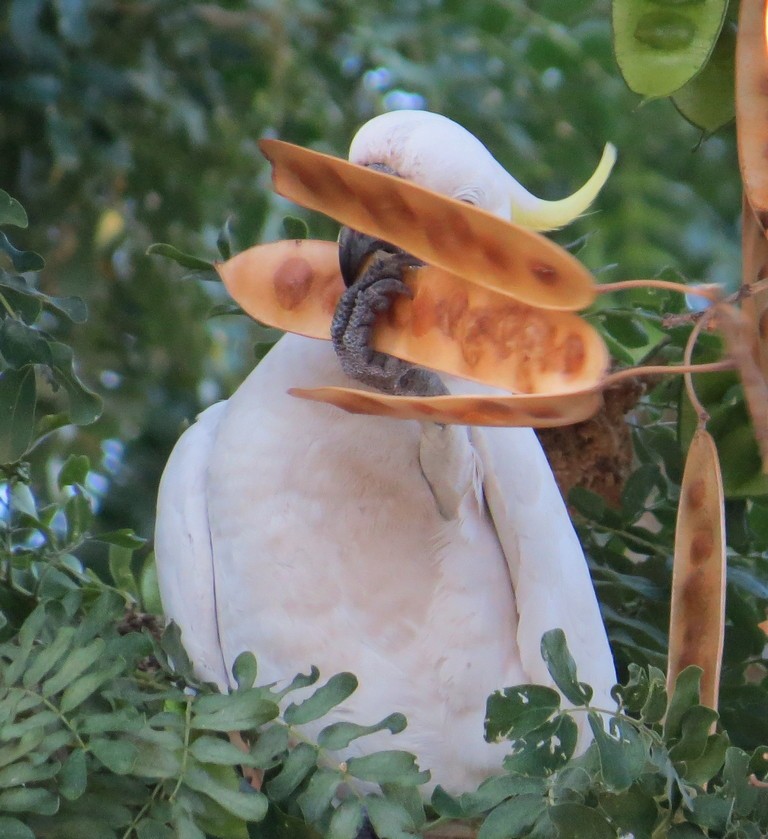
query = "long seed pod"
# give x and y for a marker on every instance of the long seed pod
(754, 261)
(448, 324)
(444, 232)
(752, 105)
(697, 616)
(525, 410)
(737, 332)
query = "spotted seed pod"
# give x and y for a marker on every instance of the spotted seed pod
(698, 578)
(448, 325)
(449, 234)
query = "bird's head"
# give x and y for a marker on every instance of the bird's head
(437, 153)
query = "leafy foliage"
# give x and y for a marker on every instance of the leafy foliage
(104, 730)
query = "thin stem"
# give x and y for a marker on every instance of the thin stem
(663, 370)
(7, 306)
(140, 815)
(185, 755)
(712, 294)
(701, 411)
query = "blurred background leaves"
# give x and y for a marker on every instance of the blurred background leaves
(127, 123)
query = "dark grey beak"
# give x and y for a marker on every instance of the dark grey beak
(354, 250)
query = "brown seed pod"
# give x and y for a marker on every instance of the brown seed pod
(736, 329)
(525, 410)
(444, 232)
(752, 105)
(754, 250)
(448, 324)
(697, 616)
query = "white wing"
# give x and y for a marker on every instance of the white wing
(183, 546)
(547, 566)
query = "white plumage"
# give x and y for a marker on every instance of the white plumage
(426, 560)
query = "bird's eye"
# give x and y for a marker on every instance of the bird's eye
(470, 195)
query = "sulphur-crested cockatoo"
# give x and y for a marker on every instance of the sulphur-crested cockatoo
(427, 560)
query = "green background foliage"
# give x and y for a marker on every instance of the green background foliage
(128, 123)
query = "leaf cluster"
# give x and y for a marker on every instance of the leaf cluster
(657, 766)
(29, 352)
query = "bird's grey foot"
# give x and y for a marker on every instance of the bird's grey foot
(352, 329)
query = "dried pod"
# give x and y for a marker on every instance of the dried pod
(752, 105)
(526, 410)
(444, 232)
(697, 616)
(448, 324)
(754, 250)
(736, 329)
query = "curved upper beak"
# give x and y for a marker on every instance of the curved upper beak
(356, 250)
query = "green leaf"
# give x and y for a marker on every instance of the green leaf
(74, 471)
(152, 829)
(513, 712)
(576, 821)
(335, 690)
(317, 798)
(251, 805)
(493, 791)
(74, 665)
(638, 492)
(655, 706)
(11, 212)
(302, 680)
(84, 405)
(562, 667)
(686, 695)
(23, 261)
(119, 560)
(123, 538)
(245, 669)
(11, 828)
(544, 749)
(22, 345)
(183, 259)
(18, 396)
(149, 587)
(340, 734)
(233, 712)
(346, 820)
(694, 732)
(712, 812)
(623, 752)
(737, 785)
(158, 754)
(49, 657)
(29, 800)
(214, 750)
(387, 767)
(389, 820)
(708, 100)
(299, 763)
(588, 503)
(295, 228)
(633, 811)
(659, 48)
(78, 514)
(626, 331)
(701, 770)
(269, 747)
(73, 777)
(513, 818)
(118, 756)
(225, 238)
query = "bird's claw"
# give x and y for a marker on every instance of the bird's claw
(352, 331)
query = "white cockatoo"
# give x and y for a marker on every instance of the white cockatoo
(427, 560)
